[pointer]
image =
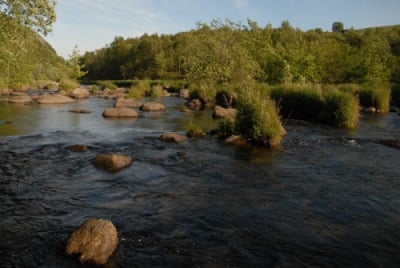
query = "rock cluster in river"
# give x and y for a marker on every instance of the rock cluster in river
(94, 241)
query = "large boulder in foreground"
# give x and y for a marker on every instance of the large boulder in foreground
(173, 137)
(120, 112)
(127, 103)
(112, 162)
(95, 241)
(54, 99)
(21, 99)
(152, 107)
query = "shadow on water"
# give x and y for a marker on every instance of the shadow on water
(326, 198)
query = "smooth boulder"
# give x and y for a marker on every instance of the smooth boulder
(120, 112)
(80, 93)
(173, 137)
(152, 107)
(112, 162)
(21, 99)
(54, 99)
(221, 112)
(95, 241)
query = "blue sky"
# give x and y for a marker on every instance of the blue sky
(92, 24)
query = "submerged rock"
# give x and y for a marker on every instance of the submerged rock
(79, 148)
(95, 241)
(54, 99)
(236, 140)
(173, 137)
(152, 107)
(127, 103)
(112, 162)
(80, 111)
(120, 112)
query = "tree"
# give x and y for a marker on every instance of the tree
(76, 66)
(38, 15)
(337, 27)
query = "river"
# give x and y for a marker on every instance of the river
(327, 197)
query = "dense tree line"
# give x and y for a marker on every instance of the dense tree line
(224, 51)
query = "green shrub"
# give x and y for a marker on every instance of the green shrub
(298, 102)
(194, 131)
(258, 119)
(378, 97)
(225, 128)
(396, 94)
(68, 84)
(350, 88)
(156, 91)
(107, 84)
(341, 109)
(139, 90)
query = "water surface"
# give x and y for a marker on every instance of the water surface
(326, 198)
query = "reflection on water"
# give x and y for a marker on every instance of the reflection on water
(327, 198)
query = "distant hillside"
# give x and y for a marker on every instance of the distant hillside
(25, 57)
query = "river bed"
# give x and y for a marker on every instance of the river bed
(327, 198)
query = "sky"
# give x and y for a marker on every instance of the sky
(93, 24)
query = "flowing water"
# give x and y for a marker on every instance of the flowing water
(326, 198)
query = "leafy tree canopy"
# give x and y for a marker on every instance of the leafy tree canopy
(36, 14)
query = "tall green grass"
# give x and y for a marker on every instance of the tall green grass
(258, 119)
(328, 104)
(298, 102)
(340, 109)
(396, 94)
(378, 97)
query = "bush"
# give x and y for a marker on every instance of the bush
(107, 84)
(156, 91)
(68, 84)
(378, 97)
(258, 119)
(225, 128)
(341, 109)
(396, 94)
(303, 103)
(139, 90)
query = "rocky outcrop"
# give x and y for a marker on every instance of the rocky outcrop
(227, 113)
(112, 162)
(20, 99)
(127, 103)
(120, 112)
(173, 137)
(54, 99)
(80, 93)
(152, 107)
(94, 241)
